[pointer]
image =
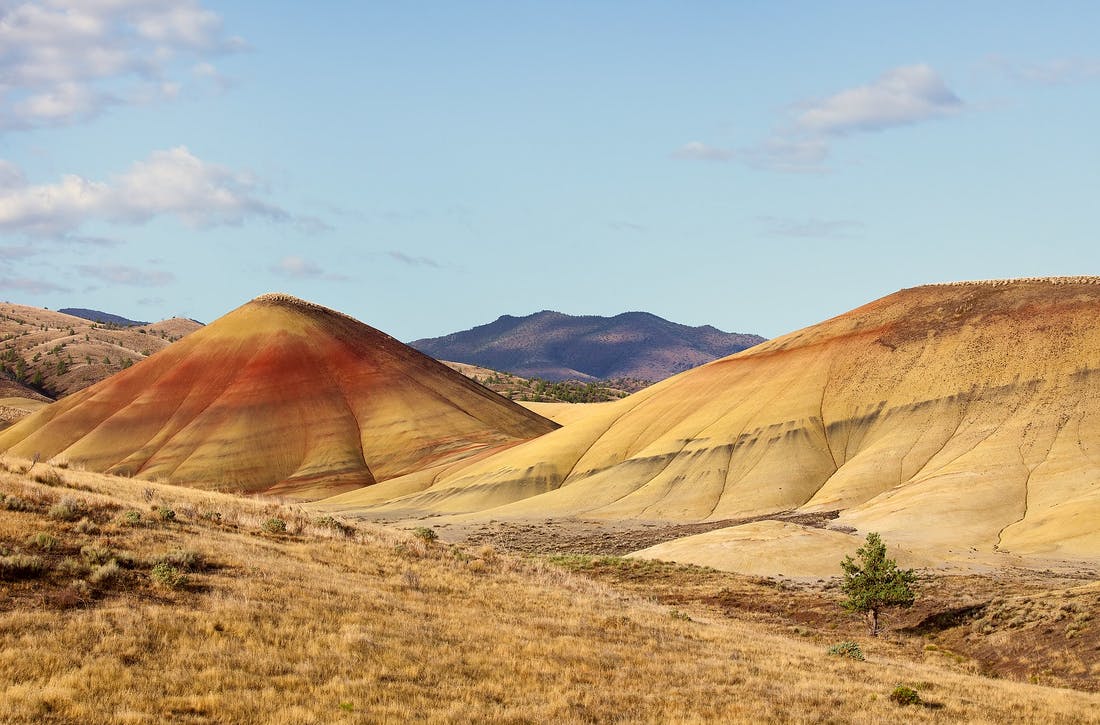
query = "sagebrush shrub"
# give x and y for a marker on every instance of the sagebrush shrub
(182, 559)
(274, 525)
(130, 518)
(168, 576)
(104, 573)
(425, 534)
(95, 554)
(904, 695)
(851, 650)
(14, 503)
(43, 541)
(66, 509)
(19, 566)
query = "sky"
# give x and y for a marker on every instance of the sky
(427, 167)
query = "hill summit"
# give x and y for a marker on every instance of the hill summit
(279, 396)
(556, 346)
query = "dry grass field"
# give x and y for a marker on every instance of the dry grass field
(124, 601)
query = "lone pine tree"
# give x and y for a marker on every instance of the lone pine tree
(875, 581)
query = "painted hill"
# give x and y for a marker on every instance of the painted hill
(555, 346)
(46, 355)
(280, 396)
(959, 419)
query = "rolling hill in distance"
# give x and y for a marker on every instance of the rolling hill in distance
(555, 346)
(279, 396)
(46, 355)
(101, 317)
(960, 420)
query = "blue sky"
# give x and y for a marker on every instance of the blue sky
(427, 167)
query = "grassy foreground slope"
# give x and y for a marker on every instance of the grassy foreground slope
(324, 622)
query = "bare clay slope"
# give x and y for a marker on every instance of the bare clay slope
(279, 396)
(944, 416)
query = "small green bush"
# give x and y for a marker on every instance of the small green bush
(851, 650)
(274, 526)
(130, 518)
(166, 514)
(42, 541)
(904, 695)
(168, 576)
(425, 534)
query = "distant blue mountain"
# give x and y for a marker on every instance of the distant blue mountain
(101, 317)
(556, 346)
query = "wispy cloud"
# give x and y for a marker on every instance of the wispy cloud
(296, 267)
(811, 228)
(120, 274)
(699, 151)
(30, 286)
(413, 261)
(1055, 72)
(65, 61)
(901, 96)
(174, 182)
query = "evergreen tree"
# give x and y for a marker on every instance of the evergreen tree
(875, 581)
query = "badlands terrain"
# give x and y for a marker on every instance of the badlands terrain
(668, 556)
(277, 397)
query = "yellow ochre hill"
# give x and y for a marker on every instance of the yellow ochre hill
(961, 420)
(280, 396)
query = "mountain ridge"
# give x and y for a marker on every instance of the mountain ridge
(556, 346)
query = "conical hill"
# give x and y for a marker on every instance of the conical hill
(279, 396)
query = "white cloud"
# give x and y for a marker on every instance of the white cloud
(699, 151)
(792, 154)
(133, 276)
(301, 268)
(168, 183)
(413, 261)
(64, 61)
(899, 97)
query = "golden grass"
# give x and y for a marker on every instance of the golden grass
(379, 626)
